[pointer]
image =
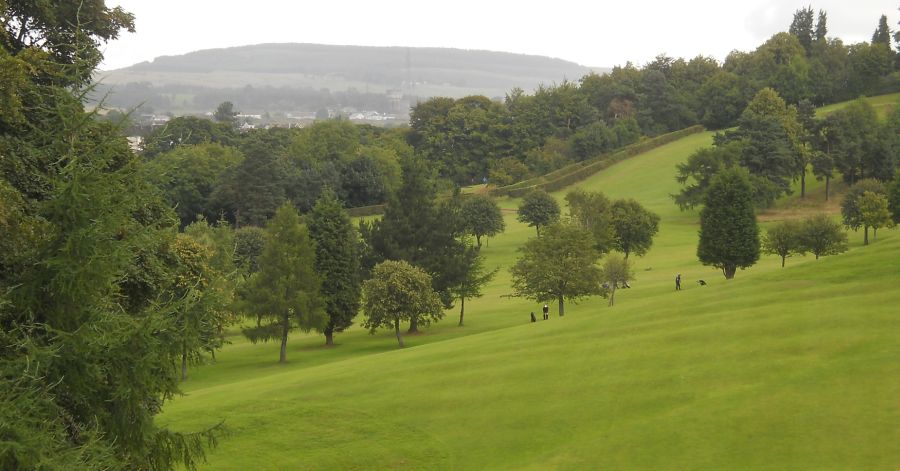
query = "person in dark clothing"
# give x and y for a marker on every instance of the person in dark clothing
(678, 282)
(546, 312)
(533, 319)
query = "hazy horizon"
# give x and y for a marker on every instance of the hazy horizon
(589, 34)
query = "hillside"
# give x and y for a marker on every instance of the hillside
(194, 81)
(778, 368)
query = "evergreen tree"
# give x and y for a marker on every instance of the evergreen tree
(882, 34)
(729, 237)
(415, 229)
(336, 262)
(285, 292)
(87, 361)
(251, 191)
(769, 130)
(802, 27)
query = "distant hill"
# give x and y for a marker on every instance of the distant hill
(190, 82)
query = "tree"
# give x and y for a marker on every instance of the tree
(851, 211)
(189, 175)
(820, 235)
(398, 292)
(202, 319)
(802, 28)
(285, 291)
(697, 173)
(415, 229)
(538, 209)
(634, 227)
(875, 213)
(558, 265)
(783, 239)
(616, 271)
(252, 190)
(225, 113)
(729, 236)
(823, 169)
(472, 280)
(87, 360)
(592, 210)
(769, 129)
(482, 217)
(882, 34)
(336, 262)
(249, 242)
(894, 197)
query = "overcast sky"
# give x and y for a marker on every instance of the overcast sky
(591, 32)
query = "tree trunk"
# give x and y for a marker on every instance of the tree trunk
(329, 336)
(803, 183)
(827, 181)
(817, 256)
(782, 260)
(538, 227)
(874, 233)
(462, 309)
(284, 334)
(183, 361)
(562, 307)
(478, 240)
(397, 332)
(729, 271)
(612, 295)
(413, 325)
(865, 235)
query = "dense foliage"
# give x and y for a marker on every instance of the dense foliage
(729, 236)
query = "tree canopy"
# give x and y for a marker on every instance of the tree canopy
(729, 236)
(559, 265)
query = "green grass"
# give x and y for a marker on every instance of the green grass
(883, 105)
(776, 369)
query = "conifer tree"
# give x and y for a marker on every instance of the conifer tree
(285, 292)
(337, 262)
(729, 236)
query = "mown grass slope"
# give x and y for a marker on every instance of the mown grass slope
(776, 369)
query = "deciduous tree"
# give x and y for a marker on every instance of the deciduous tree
(820, 235)
(559, 265)
(634, 227)
(783, 239)
(538, 209)
(851, 211)
(616, 271)
(482, 217)
(398, 292)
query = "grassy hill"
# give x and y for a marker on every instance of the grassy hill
(777, 369)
